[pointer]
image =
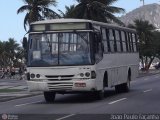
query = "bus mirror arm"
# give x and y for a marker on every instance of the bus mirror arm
(25, 46)
(102, 47)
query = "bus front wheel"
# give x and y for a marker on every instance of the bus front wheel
(101, 93)
(49, 96)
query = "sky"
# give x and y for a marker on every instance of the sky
(11, 24)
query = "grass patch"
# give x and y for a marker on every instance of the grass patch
(10, 90)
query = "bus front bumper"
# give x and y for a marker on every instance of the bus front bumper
(85, 85)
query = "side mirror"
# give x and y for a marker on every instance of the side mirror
(98, 36)
(25, 43)
(25, 46)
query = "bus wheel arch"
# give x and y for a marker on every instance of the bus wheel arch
(129, 75)
(125, 87)
(101, 93)
(105, 79)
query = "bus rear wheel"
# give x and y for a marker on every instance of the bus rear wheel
(49, 96)
(125, 87)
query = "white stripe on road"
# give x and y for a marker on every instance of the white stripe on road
(146, 79)
(28, 103)
(117, 101)
(147, 90)
(157, 77)
(65, 117)
(133, 81)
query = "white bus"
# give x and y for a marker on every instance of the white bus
(76, 55)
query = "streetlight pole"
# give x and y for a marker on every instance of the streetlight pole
(143, 2)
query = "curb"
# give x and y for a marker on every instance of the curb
(148, 74)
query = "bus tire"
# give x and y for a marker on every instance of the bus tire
(49, 96)
(125, 87)
(118, 88)
(100, 94)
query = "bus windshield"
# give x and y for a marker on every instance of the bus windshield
(59, 49)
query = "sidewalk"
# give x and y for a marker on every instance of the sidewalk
(13, 89)
(148, 73)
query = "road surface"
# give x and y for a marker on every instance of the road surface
(144, 98)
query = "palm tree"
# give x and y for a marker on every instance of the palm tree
(11, 48)
(98, 10)
(2, 54)
(10, 53)
(37, 10)
(147, 42)
(68, 12)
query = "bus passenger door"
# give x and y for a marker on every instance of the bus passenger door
(98, 55)
(98, 47)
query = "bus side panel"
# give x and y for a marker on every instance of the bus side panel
(117, 66)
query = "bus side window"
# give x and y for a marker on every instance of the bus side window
(134, 42)
(129, 41)
(98, 46)
(117, 36)
(123, 41)
(121, 44)
(104, 40)
(111, 39)
(108, 41)
(126, 40)
(115, 42)
(95, 43)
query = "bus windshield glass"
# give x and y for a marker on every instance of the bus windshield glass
(59, 49)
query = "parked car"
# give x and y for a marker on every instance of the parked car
(157, 66)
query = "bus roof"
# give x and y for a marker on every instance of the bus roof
(66, 20)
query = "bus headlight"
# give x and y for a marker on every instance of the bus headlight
(93, 74)
(87, 74)
(32, 75)
(82, 74)
(38, 76)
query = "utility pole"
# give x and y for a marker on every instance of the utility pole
(143, 2)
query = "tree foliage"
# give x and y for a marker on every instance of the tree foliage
(157, 43)
(147, 42)
(98, 10)
(37, 10)
(11, 54)
(68, 12)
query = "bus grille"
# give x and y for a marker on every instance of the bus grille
(59, 77)
(60, 86)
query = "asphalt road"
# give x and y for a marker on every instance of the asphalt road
(144, 98)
